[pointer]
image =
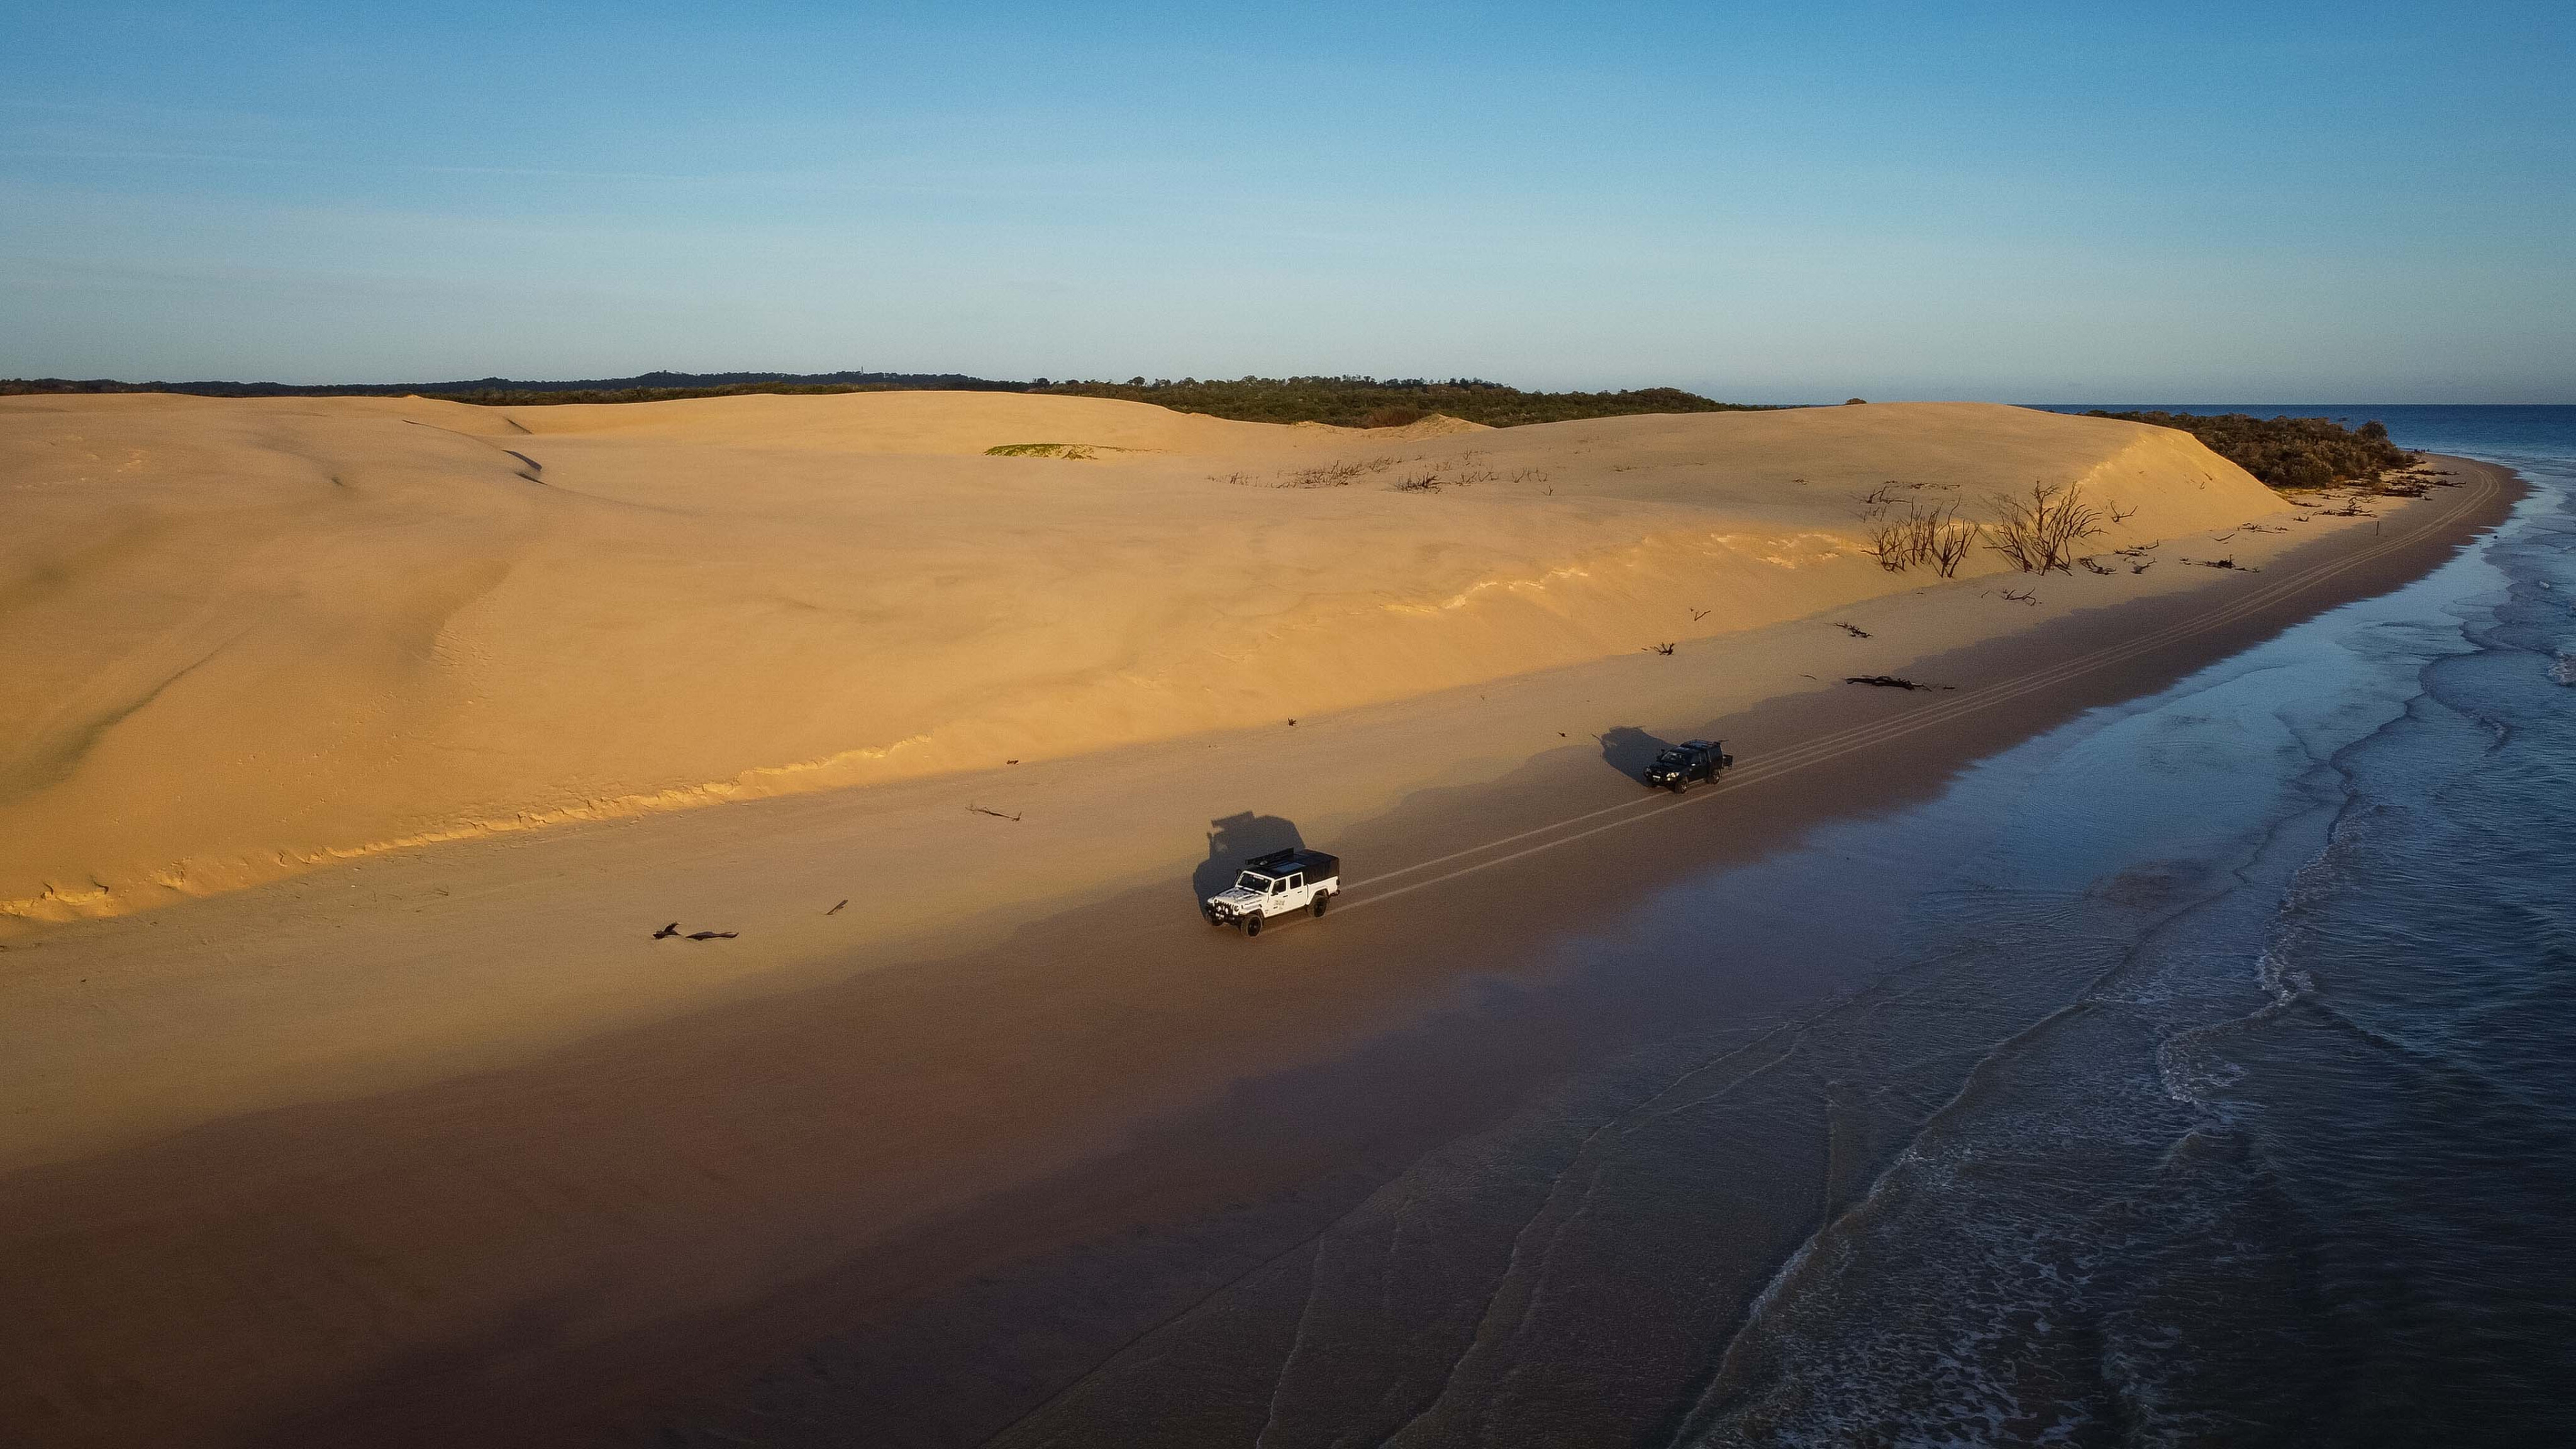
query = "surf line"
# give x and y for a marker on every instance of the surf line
(1858, 737)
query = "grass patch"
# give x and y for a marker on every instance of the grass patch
(1076, 451)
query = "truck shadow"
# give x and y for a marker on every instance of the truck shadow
(1236, 839)
(1628, 749)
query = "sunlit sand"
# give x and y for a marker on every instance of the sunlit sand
(241, 639)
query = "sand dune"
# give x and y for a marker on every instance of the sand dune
(238, 638)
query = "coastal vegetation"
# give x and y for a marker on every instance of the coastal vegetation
(2288, 452)
(504, 397)
(510, 392)
(1350, 402)
(1369, 402)
(1076, 451)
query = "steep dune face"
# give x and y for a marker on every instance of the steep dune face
(239, 638)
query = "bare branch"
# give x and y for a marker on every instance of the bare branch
(2039, 534)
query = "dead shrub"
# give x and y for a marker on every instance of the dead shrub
(2039, 534)
(1340, 473)
(1936, 538)
(1949, 540)
(1888, 544)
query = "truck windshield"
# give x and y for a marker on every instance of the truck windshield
(1257, 884)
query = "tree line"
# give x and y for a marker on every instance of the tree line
(1369, 402)
(1362, 402)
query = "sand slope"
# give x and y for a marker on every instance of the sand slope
(241, 637)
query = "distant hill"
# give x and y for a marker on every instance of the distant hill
(1343, 401)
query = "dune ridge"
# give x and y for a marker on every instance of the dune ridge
(243, 638)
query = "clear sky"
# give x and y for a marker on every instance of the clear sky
(1767, 202)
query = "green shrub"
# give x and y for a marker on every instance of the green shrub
(2287, 452)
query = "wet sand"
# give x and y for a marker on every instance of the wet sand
(949, 1191)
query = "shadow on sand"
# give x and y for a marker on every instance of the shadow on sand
(1234, 840)
(1628, 749)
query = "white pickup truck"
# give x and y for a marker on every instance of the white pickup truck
(1274, 885)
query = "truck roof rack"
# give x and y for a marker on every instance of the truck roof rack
(1283, 861)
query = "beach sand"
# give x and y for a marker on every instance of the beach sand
(246, 638)
(338, 1137)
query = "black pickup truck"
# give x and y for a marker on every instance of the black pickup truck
(1688, 763)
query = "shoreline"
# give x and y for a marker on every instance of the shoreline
(1089, 1022)
(1226, 1225)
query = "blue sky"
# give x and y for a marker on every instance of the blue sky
(1771, 203)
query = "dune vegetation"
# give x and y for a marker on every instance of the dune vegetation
(2287, 452)
(1350, 402)
(1369, 402)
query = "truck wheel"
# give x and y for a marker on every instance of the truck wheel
(1678, 786)
(1252, 925)
(1320, 898)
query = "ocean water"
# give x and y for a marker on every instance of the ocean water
(2300, 1166)
(2201, 1072)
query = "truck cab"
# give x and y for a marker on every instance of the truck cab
(1686, 764)
(1273, 885)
